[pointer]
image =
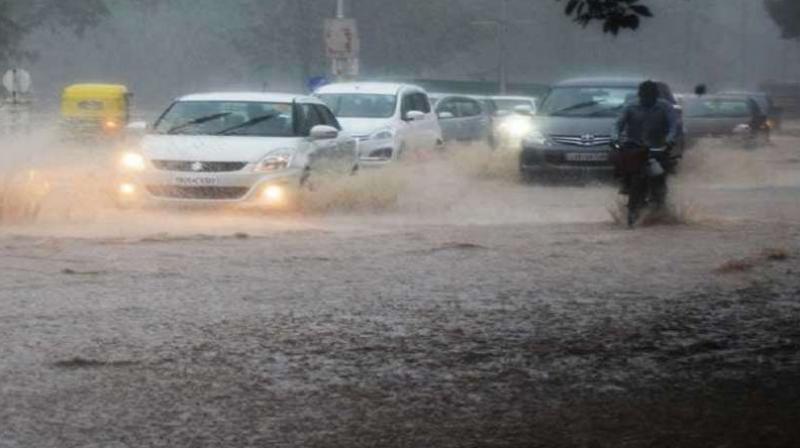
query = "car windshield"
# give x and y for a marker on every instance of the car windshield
(254, 119)
(716, 108)
(586, 101)
(360, 105)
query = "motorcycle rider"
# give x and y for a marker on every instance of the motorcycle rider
(648, 122)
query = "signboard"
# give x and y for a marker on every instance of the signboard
(341, 39)
(345, 68)
(17, 81)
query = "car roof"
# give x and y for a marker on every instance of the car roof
(512, 97)
(255, 97)
(715, 96)
(601, 82)
(375, 88)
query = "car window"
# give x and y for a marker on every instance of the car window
(469, 108)
(407, 104)
(421, 103)
(586, 101)
(258, 119)
(327, 116)
(717, 108)
(449, 105)
(360, 105)
(307, 118)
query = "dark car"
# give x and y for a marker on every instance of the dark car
(723, 116)
(574, 124)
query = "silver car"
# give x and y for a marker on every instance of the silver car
(462, 118)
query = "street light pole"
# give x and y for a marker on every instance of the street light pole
(503, 31)
(502, 27)
(340, 9)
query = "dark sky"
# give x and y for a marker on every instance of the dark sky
(185, 46)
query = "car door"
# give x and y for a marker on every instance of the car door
(322, 153)
(448, 114)
(473, 125)
(408, 130)
(344, 150)
(428, 129)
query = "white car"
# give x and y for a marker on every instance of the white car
(235, 148)
(389, 120)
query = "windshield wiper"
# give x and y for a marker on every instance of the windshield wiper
(576, 107)
(249, 123)
(197, 121)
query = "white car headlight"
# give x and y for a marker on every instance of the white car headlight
(535, 137)
(132, 161)
(276, 161)
(382, 134)
(517, 126)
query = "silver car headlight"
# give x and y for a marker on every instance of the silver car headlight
(276, 161)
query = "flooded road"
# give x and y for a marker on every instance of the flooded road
(440, 304)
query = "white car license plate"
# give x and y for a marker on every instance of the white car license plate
(586, 157)
(197, 181)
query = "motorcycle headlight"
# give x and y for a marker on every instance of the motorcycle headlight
(276, 161)
(382, 134)
(132, 161)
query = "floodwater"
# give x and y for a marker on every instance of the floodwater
(439, 303)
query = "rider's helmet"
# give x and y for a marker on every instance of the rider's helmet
(648, 93)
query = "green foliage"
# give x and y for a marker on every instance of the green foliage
(615, 15)
(786, 13)
(19, 17)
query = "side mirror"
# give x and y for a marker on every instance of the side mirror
(523, 110)
(446, 115)
(322, 132)
(415, 115)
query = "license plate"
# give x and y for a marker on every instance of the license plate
(197, 181)
(586, 157)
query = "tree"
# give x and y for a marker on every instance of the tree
(19, 17)
(615, 14)
(785, 13)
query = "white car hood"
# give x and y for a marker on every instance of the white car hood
(364, 126)
(198, 148)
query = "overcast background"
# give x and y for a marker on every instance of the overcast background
(183, 46)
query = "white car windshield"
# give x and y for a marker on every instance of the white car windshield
(255, 119)
(360, 105)
(586, 101)
(510, 104)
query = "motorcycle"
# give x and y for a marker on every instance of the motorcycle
(643, 172)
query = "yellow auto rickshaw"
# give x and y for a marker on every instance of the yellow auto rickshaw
(95, 110)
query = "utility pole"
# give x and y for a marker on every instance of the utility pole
(502, 26)
(745, 42)
(340, 9)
